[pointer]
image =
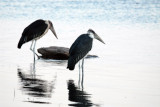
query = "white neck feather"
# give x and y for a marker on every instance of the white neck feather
(47, 22)
(91, 35)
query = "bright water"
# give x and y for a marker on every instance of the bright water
(126, 74)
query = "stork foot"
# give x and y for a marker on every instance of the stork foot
(38, 57)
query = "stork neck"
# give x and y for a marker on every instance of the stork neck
(91, 35)
(47, 22)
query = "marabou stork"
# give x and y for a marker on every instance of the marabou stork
(35, 31)
(80, 48)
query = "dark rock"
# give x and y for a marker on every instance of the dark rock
(59, 53)
(54, 52)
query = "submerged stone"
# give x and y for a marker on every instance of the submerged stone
(59, 53)
(54, 52)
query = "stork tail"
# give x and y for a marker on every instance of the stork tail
(71, 64)
(20, 43)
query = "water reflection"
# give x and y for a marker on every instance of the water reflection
(79, 96)
(38, 90)
(51, 62)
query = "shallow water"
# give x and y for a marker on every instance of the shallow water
(126, 74)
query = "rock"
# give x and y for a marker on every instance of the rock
(59, 53)
(54, 52)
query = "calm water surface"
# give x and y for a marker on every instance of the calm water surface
(126, 73)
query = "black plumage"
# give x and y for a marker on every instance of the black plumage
(78, 50)
(33, 31)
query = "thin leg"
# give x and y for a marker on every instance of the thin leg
(34, 66)
(82, 72)
(34, 49)
(79, 64)
(82, 64)
(79, 74)
(34, 46)
(31, 46)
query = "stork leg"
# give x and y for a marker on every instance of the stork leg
(31, 45)
(33, 50)
(82, 73)
(79, 73)
(82, 64)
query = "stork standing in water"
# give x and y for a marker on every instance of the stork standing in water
(35, 31)
(80, 48)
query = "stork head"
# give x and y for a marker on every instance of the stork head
(92, 34)
(52, 28)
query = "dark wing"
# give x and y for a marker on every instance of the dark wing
(32, 31)
(79, 49)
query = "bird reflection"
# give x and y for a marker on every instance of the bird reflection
(38, 89)
(78, 96)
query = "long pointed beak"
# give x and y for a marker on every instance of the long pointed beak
(54, 32)
(98, 38)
